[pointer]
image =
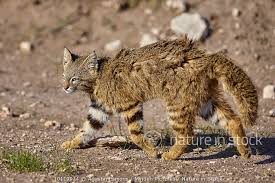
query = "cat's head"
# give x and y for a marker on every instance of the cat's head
(80, 72)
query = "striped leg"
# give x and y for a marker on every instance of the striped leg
(134, 119)
(219, 112)
(182, 123)
(97, 118)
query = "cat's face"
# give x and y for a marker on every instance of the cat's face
(80, 72)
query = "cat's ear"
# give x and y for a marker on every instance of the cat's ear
(67, 56)
(92, 61)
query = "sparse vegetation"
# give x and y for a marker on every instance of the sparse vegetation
(22, 161)
(64, 166)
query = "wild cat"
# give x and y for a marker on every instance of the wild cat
(183, 76)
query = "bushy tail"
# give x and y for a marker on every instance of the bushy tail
(238, 84)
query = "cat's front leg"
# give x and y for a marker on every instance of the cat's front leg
(97, 118)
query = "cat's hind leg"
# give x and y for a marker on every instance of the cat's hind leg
(219, 112)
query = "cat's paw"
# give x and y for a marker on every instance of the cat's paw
(169, 156)
(247, 155)
(71, 144)
(153, 154)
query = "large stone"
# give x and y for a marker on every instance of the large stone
(269, 92)
(193, 25)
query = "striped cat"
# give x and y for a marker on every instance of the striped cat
(183, 76)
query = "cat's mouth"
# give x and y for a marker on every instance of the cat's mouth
(70, 90)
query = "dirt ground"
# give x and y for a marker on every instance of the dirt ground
(30, 86)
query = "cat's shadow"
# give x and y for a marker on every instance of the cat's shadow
(264, 146)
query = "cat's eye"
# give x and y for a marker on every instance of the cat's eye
(74, 80)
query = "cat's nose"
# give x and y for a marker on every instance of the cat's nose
(66, 85)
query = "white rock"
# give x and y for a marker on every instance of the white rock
(130, 181)
(179, 5)
(155, 31)
(27, 84)
(113, 46)
(269, 92)
(147, 39)
(191, 24)
(25, 116)
(148, 11)
(6, 109)
(199, 149)
(115, 158)
(26, 46)
(211, 162)
(54, 124)
(236, 12)
(175, 171)
(72, 127)
(90, 176)
(237, 25)
(272, 113)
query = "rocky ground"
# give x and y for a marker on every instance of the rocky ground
(37, 116)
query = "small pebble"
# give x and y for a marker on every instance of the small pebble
(175, 171)
(155, 31)
(237, 25)
(148, 11)
(147, 39)
(198, 149)
(236, 12)
(113, 46)
(269, 92)
(25, 116)
(90, 176)
(272, 113)
(53, 124)
(26, 46)
(72, 127)
(179, 5)
(27, 84)
(6, 109)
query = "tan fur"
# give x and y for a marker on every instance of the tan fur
(183, 76)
